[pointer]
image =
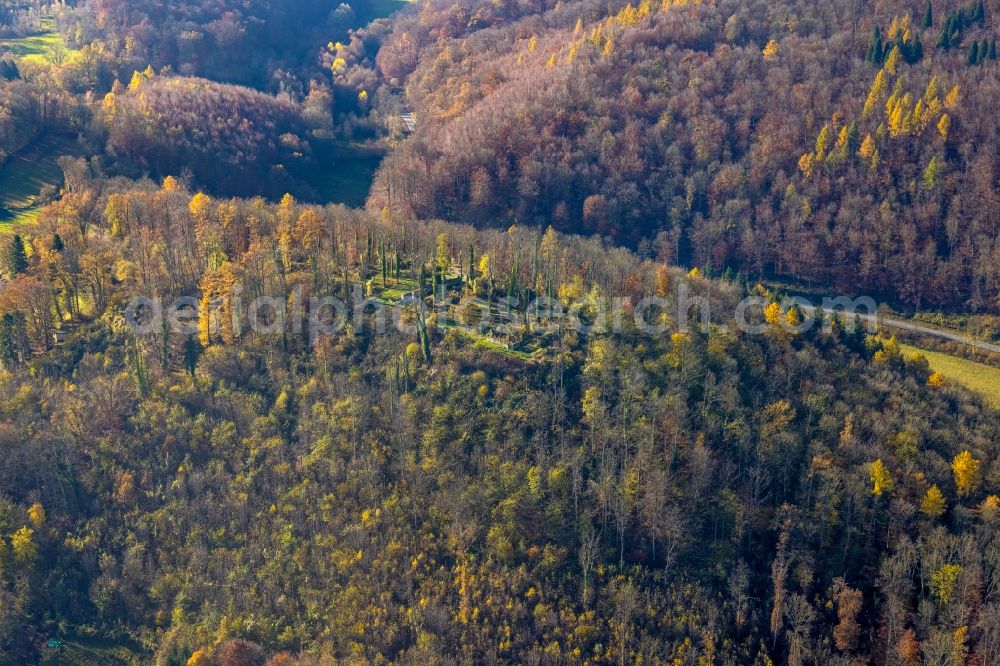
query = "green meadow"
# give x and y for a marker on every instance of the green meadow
(977, 377)
(45, 48)
(25, 175)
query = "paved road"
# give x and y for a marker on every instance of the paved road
(914, 328)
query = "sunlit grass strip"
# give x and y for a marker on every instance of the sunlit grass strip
(41, 49)
(977, 377)
(484, 342)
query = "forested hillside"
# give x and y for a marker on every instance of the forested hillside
(23, 117)
(238, 98)
(20, 17)
(229, 138)
(852, 145)
(619, 497)
(488, 418)
(242, 42)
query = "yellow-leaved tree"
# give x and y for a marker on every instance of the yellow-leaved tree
(823, 141)
(881, 478)
(807, 164)
(967, 473)
(875, 94)
(442, 253)
(951, 100)
(118, 214)
(287, 210)
(200, 208)
(772, 313)
(933, 503)
(869, 152)
(943, 582)
(989, 509)
(932, 174)
(892, 62)
(23, 544)
(199, 658)
(200, 205)
(309, 230)
(36, 514)
(944, 125)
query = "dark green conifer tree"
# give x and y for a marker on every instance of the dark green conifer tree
(979, 13)
(958, 23)
(13, 339)
(974, 53)
(852, 138)
(17, 256)
(422, 337)
(385, 265)
(192, 351)
(137, 363)
(876, 52)
(8, 70)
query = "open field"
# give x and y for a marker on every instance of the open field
(45, 48)
(983, 379)
(341, 173)
(27, 173)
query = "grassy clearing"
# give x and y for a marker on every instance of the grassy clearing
(982, 379)
(45, 48)
(340, 172)
(395, 289)
(377, 9)
(25, 175)
(88, 653)
(483, 342)
(19, 219)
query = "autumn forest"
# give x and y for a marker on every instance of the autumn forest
(458, 473)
